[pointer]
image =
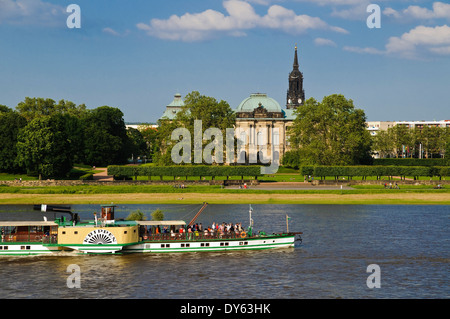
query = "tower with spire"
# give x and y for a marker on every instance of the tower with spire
(295, 94)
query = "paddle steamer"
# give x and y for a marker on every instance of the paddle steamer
(106, 235)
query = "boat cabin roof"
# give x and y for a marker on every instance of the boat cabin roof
(27, 223)
(161, 222)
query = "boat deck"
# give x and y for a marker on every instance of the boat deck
(207, 236)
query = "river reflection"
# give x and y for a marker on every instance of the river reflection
(409, 243)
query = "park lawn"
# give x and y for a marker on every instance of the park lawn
(235, 198)
(120, 189)
(12, 177)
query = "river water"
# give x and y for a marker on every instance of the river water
(409, 244)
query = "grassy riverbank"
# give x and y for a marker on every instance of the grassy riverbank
(148, 194)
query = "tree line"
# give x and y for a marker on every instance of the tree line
(333, 132)
(185, 170)
(372, 170)
(45, 138)
(402, 142)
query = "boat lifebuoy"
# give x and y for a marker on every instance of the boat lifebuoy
(243, 234)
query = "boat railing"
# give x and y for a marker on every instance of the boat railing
(25, 238)
(198, 236)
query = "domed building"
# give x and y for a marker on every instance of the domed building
(261, 124)
(261, 127)
(173, 108)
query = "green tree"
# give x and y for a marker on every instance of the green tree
(136, 215)
(10, 124)
(157, 215)
(31, 108)
(430, 138)
(4, 109)
(44, 147)
(383, 144)
(137, 145)
(402, 138)
(446, 142)
(151, 138)
(331, 132)
(212, 113)
(106, 141)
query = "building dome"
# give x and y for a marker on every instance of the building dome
(256, 100)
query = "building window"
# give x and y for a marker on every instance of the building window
(243, 138)
(276, 138)
(259, 139)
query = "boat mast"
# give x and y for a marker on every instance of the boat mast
(198, 214)
(251, 220)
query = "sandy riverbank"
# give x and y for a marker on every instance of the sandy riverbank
(214, 198)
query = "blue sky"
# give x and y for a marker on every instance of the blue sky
(136, 54)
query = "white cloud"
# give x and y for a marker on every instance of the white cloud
(324, 42)
(439, 10)
(31, 12)
(422, 37)
(418, 43)
(445, 50)
(356, 11)
(333, 2)
(363, 50)
(240, 18)
(113, 32)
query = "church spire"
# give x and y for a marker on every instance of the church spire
(296, 58)
(295, 94)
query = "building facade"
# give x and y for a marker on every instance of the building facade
(262, 125)
(375, 126)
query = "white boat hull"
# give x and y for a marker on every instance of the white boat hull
(211, 245)
(27, 249)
